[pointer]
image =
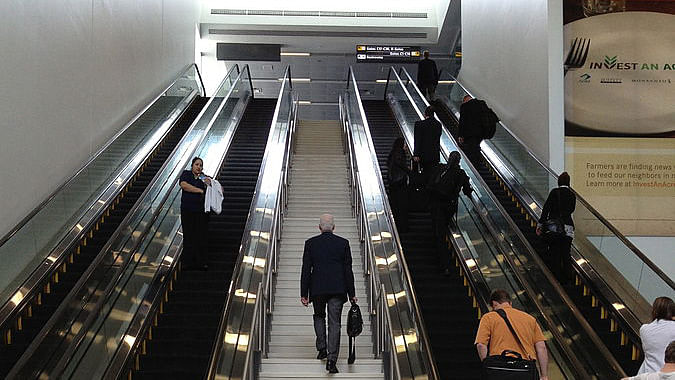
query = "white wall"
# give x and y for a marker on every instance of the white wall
(71, 74)
(512, 57)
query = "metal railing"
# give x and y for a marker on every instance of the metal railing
(400, 336)
(244, 326)
(609, 276)
(507, 238)
(82, 316)
(53, 252)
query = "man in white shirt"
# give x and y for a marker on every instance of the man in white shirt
(666, 373)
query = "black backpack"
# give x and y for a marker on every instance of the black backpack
(354, 329)
(488, 121)
(443, 184)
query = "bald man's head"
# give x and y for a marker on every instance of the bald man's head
(326, 223)
(466, 98)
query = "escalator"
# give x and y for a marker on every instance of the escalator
(184, 335)
(613, 338)
(443, 299)
(81, 256)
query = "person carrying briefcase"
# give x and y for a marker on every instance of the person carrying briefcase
(508, 341)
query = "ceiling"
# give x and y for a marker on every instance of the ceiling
(330, 37)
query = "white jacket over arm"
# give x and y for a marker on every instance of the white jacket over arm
(213, 200)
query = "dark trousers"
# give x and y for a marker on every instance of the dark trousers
(195, 226)
(334, 305)
(471, 148)
(428, 90)
(559, 259)
(398, 198)
(442, 214)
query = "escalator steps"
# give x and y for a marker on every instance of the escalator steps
(182, 341)
(449, 316)
(592, 314)
(9, 354)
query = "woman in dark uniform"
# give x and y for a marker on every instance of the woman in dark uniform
(560, 204)
(193, 217)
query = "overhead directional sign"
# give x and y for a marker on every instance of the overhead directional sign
(387, 54)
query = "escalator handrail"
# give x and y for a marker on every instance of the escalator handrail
(477, 203)
(51, 196)
(140, 323)
(238, 271)
(430, 364)
(586, 204)
(32, 284)
(626, 317)
(67, 354)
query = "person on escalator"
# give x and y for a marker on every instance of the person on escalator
(444, 186)
(476, 123)
(398, 171)
(657, 334)
(194, 220)
(427, 149)
(665, 372)
(509, 330)
(427, 77)
(557, 214)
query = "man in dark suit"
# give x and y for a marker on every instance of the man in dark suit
(326, 281)
(427, 76)
(427, 148)
(470, 131)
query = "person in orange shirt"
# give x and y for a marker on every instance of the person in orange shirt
(495, 334)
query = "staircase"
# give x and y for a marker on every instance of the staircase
(319, 184)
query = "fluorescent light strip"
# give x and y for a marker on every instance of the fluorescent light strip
(304, 102)
(446, 82)
(381, 81)
(297, 79)
(295, 54)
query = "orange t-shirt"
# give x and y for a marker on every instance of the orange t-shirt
(494, 333)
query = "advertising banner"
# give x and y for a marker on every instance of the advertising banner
(620, 110)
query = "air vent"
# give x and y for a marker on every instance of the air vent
(228, 11)
(302, 13)
(337, 14)
(373, 14)
(262, 12)
(314, 33)
(258, 12)
(408, 15)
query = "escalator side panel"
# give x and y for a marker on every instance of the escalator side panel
(182, 341)
(85, 253)
(443, 298)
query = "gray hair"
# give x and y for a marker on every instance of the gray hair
(326, 223)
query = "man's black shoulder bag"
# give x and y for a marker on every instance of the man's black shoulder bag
(510, 365)
(354, 328)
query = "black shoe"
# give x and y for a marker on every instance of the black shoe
(330, 367)
(322, 354)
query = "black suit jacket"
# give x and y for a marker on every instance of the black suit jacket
(327, 267)
(428, 140)
(560, 203)
(427, 73)
(469, 120)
